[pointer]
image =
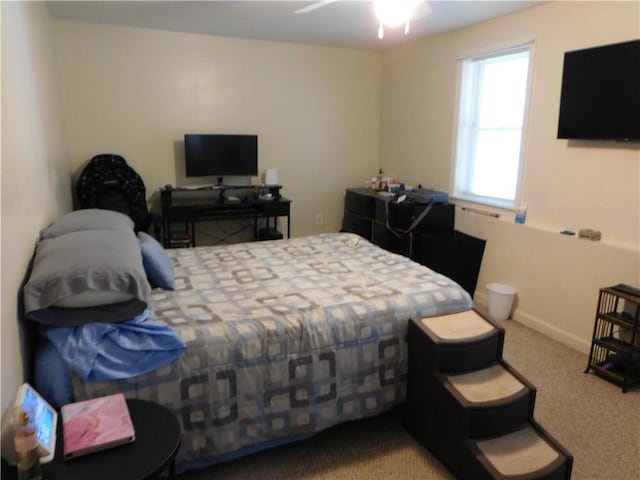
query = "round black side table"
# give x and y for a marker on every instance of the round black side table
(158, 438)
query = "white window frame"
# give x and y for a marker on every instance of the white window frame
(463, 136)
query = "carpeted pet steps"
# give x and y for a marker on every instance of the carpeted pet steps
(472, 409)
(519, 453)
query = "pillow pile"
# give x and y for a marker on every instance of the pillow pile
(87, 268)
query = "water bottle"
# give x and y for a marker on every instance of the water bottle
(25, 440)
(521, 213)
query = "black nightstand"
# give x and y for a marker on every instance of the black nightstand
(158, 437)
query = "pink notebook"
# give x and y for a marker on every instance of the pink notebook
(96, 424)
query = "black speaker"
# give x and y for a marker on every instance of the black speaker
(454, 254)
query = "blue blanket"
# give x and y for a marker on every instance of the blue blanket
(112, 351)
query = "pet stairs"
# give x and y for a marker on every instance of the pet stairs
(470, 408)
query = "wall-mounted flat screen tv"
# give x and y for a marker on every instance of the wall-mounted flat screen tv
(600, 96)
(220, 154)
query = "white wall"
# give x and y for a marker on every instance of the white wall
(136, 92)
(35, 169)
(569, 185)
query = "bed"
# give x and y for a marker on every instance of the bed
(282, 339)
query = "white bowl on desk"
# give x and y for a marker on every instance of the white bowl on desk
(266, 196)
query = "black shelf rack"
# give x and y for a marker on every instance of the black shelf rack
(615, 345)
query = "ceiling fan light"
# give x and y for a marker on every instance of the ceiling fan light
(394, 12)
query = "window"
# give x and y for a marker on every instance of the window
(491, 117)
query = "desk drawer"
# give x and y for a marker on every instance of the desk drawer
(441, 217)
(359, 203)
(181, 215)
(358, 225)
(275, 208)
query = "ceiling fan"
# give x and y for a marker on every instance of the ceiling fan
(314, 6)
(391, 13)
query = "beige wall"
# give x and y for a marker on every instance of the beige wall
(35, 169)
(138, 91)
(573, 185)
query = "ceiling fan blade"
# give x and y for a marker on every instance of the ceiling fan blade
(314, 6)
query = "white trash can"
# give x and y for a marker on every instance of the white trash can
(500, 300)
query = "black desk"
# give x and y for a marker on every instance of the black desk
(191, 206)
(367, 213)
(433, 242)
(158, 437)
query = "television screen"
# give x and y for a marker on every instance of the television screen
(600, 97)
(220, 154)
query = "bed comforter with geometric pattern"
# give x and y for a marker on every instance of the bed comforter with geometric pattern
(284, 338)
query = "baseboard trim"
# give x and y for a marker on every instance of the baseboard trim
(552, 331)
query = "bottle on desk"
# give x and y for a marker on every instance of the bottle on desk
(25, 440)
(380, 184)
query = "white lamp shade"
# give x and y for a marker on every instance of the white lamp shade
(271, 176)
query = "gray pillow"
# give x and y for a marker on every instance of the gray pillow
(88, 219)
(92, 298)
(88, 270)
(74, 317)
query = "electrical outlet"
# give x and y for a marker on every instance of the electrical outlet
(319, 219)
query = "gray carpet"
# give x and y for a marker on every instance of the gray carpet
(591, 417)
